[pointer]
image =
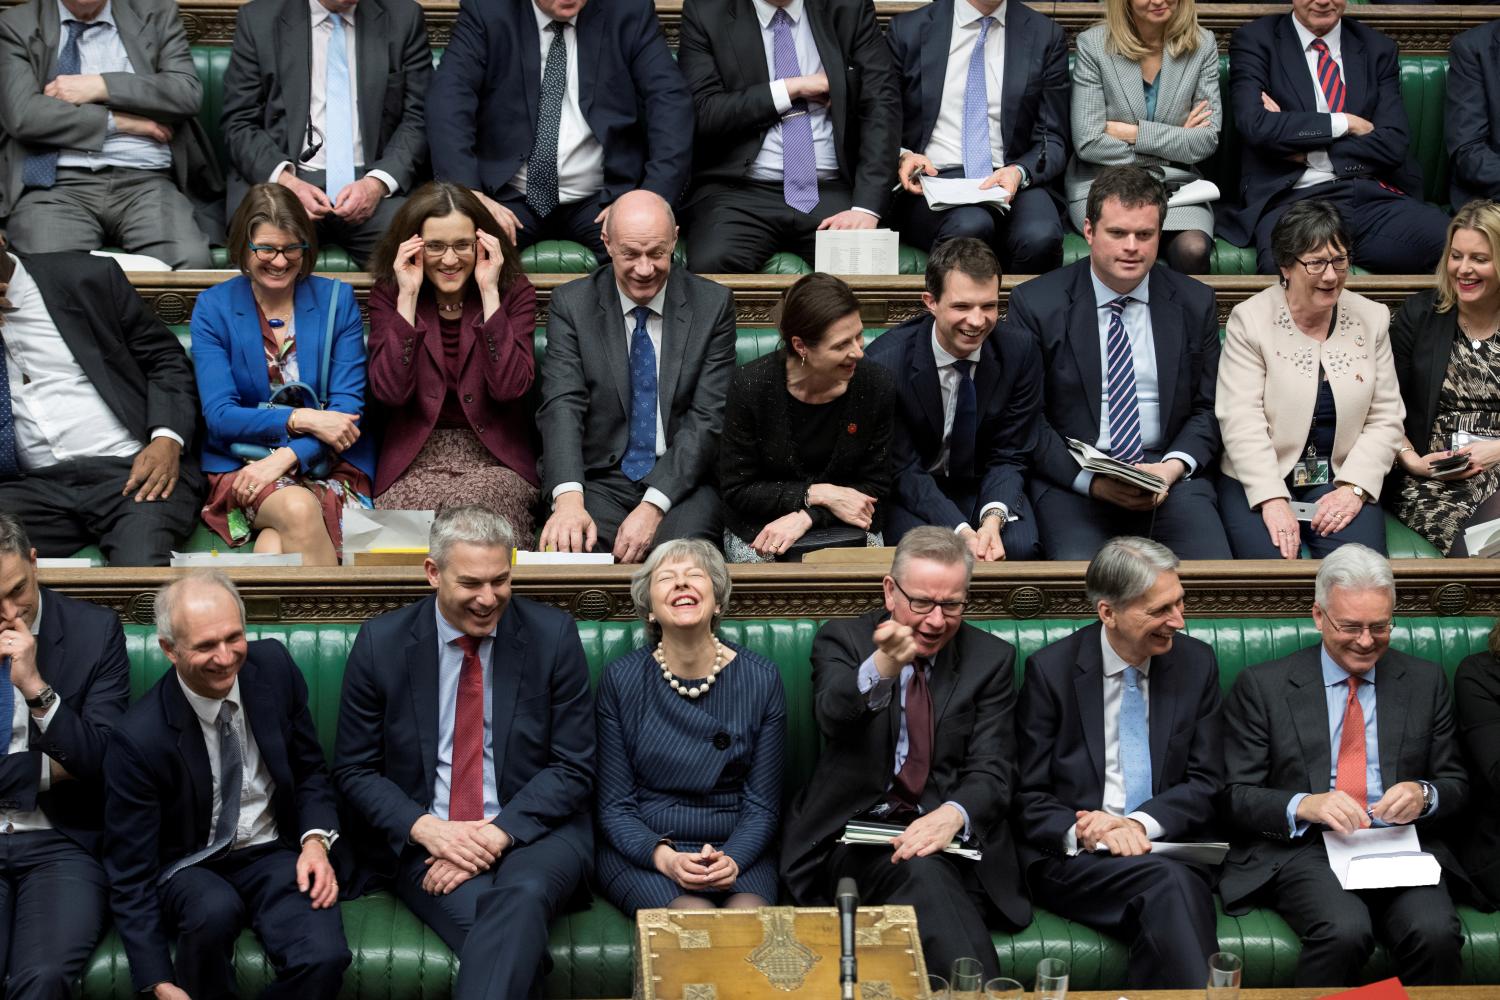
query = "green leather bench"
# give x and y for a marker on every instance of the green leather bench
(396, 958)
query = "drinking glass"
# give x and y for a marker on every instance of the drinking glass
(1224, 976)
(1004, 989)
(1051, 979)
(937, 987)
(965, 979)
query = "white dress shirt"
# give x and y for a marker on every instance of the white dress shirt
(100, 50)
(1319, 165)
(317, 108)
(653, 330)
(257, 822)
(1114, 774)
(580, 156)
(59, 416)
(946, 146)
(20, 742)
(767, 165)
(1137, 321)
(948, 377)
(450, 667)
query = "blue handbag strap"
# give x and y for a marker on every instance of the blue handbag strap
(323, 372)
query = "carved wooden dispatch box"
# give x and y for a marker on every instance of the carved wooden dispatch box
(775, 952)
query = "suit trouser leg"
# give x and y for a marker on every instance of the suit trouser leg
(1071, 526)
(947, 900)
(207, 914)
(573, 221)
(1163, 908)
(735, 229)
(1247, 531)
(49, 511)
(1393, 233)
(700, 514)
(1076, 527)
(1421, 928)
(1033, 234)
(609, 499)
(305, 946)
(1188, 522)
(61, 217)
(58, 908)
(130, 533)
(150, 216)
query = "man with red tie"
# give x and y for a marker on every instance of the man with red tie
(916, 709)
(466, 740)
(1340, 737)
(1317, 101)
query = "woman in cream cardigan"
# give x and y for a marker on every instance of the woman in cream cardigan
(1308, 403)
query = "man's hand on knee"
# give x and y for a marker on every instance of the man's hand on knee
(458, 843)
(153, 474)
(443, 877)
(927, 835)
(570, 528)
(637, 532)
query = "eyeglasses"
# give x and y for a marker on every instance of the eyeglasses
(266, 254)
(437, 251)
(924, 605)
(1317, 267)
(1354, 631)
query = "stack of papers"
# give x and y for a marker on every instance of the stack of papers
(1095, 461)
(1382, 857)
(858, 832)
(1483, 540)
(949, 192)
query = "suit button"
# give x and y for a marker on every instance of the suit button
(479, 429)
(468, 397)
(721, 741)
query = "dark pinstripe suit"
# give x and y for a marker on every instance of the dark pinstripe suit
(697, 772)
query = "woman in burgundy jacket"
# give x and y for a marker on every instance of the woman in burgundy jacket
(451, 323)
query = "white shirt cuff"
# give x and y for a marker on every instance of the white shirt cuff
(275, 177)
(1340, 124)
(780, 97)
(856, 208)
(1005, 513)
(657, 498)
(876, 689)
(1185, 459)
(391, 187)
(562, 488)
(1154, 829)
(1082, 482)
(1070, 840)
(46, 720)
(964, 833)
(332, 835)
(167, 432)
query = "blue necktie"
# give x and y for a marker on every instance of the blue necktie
(978, 158)
(40, 169)
(965, 422)
(10, 463)
(799, 163)
(1124, 408)
(640, 457)
(231, 779)
(7, 702)
(1135, 746)
(338, 126)
(541, 166)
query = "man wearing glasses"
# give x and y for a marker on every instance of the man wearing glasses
(916, 709)
(1340, 737)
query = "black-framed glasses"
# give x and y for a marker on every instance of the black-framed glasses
(1354, 631)
(292, 252)
(437, 251)
(1318, 266)
(924, 605)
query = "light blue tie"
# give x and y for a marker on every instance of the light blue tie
(978, 158)
(1135, 745)
(640, 456)
(338, 123)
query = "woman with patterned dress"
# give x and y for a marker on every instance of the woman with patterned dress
(1448, 361)
(282, 475)
(1308, 405)
(691, 733)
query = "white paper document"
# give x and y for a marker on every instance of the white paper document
(365, 530)
(64, 562)
(1198, 192)
(1207, 853)
(858, 251)
(225, 560)
(1380, 858)
(947, 192)
(1483, 540)
(525, 558)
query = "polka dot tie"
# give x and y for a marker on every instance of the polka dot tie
(541, 166)
(978, 157)
(40, 169)
(9, 464)
(640, 456)
(1135, 745)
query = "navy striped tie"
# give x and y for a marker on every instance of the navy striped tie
(1124, 408)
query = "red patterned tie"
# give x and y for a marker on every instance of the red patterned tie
(912, 778)
(1350, 776)
(1332, 84)
(466, 787)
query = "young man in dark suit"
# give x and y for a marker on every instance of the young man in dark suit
(967, 412)
(1130, 353)
(1145, 702)
(65, 683)
(97, 407)
(1020, 141)
(1339, 737)
(466, 740)
(219, 811)
(798, 119)
(619, 469)
(1317, 101)
(350, 172)
(916, 707)
(549, 110)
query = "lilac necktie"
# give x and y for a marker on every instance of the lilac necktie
(978, 160)
(799, 165)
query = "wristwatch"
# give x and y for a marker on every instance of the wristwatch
(43, 700)
(1358, 491)
(1427, 793)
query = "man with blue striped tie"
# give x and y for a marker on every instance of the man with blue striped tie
(1138, 347)
(1146, 701)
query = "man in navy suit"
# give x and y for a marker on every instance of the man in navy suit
(66, 682)
(1472, 121)
(966, 420)
(219, 812)
(466, 740)
(1317, 101)
(549, 110)
(1019, 144)
(1121, 746)
(1131, 359)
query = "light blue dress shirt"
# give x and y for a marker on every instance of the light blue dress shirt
(450, 664)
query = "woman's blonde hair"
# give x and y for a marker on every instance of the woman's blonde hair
(1480, 215)
(1181, 36)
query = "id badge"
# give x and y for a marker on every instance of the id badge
(1310, 472)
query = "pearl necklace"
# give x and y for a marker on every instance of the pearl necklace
(681, 688)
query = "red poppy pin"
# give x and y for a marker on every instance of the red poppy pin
(852, 428)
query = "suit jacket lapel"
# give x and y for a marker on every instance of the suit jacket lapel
(128, 27)
(587, 38)
(180, 716)
(937, 38)
(1358, 92)
(833, 65)
(245, 337)
(1168, 81)
(44, 42)
(676, 329)
(1088, 688)
(1166, 335)
(76, 329)
(1128, 79)
(530, 40)
(745, 44)
(422, 679)
(1294, 71)
(987, 375)
(261, 714)
(294, 47)
(1438, 346)
(1391, 703)
(311, 321)
(924, 376)
(372, 70)
(611, 333)
(1083, 336)
(1018, 42)
(1308, 705)
(1163, 703)
(944, 679)
(507, 664)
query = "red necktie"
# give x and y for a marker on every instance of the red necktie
(1332, 84)
(466, 787)
(1350, 775)
(912, 778)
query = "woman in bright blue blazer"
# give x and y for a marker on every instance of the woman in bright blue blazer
(282, 475)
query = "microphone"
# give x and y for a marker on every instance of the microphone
(847, 900)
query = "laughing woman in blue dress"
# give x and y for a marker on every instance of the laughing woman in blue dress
(691, 734)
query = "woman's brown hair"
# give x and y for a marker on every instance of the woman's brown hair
(271, 205)
(813, 304)
(434, 200)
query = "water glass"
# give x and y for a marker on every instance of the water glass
(937, 987)
(1004, 989)
(965, 979)
(1224, 970)
(1052, 979)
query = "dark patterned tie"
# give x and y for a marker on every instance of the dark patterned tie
(40, 169)
(1352, 768)
(231, 780)
(1124, 408)
(541, 166)
(640, 456)
(10, 464)
(912, 778)
(466, 784)
(965, 422)
(799, 162)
